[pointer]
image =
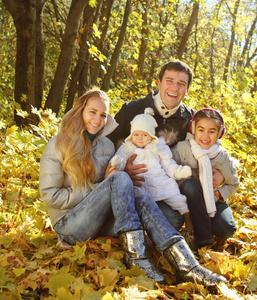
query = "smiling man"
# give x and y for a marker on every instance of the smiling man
(175, 79)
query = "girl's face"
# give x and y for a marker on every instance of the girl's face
(206, 132)
(140, 138)
(95, 114)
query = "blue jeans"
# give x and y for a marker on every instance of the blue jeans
(222, 225)
(115, 194)
(175, 219)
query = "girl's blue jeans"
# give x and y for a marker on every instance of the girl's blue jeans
(115, 194)
(222, 225)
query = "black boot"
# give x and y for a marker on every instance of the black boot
(134, 245)
(181, 258)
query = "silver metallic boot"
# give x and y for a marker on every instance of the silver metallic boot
(134, 245)
(181, 258)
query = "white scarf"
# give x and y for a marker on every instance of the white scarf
(162, 109)
(203, 157)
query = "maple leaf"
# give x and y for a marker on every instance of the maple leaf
(230, 294)
(107, 277)
(191, 287)
(79, 252)
(64, 294)
(241, 270)
(107, 245)
(107, 296)
(252, 285)
(60, 280)
(142, 281)
(221, 263)
(18, 272)
(133, 272)
(3, 277)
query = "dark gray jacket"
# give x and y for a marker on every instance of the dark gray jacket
(179, 123)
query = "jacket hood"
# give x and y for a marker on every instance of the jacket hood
(108, 128)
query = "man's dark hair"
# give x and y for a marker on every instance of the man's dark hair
(179, 66)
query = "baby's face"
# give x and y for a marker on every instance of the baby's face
(206, 132)
(141, 138)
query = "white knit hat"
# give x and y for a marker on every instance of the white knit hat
(144, 122)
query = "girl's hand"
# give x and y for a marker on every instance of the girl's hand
(110, 170)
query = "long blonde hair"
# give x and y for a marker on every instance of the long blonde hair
(73, 146)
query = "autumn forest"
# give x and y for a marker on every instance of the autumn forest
(51, 52)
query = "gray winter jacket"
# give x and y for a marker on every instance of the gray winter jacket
(55, 185)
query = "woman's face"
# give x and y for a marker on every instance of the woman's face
(95, 114)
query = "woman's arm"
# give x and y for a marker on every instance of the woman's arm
(51, 182)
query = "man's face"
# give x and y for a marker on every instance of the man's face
(173, 88)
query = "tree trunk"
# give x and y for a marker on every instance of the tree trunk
(57, 90)
(115, 55)
(247, 43)
(40, 54)
(212, 73)
(85, 76)
(232, 41)
(188, 30)
(143, 45)
(88, 16)
(100, 43)
(24, 16)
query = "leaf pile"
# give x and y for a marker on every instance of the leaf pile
(32, 266)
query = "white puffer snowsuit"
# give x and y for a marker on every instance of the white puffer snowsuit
(160, 179)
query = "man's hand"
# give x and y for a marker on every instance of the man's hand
(217, 179)
(134, 170)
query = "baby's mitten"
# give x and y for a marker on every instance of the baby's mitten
(182, 172)
(116, 160)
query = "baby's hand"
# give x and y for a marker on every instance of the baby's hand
(183, 172)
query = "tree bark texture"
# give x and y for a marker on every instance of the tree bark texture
(57, 90)
(100, 43)
(115, 55)
(24, 13)
(85, 75)
(232, 41)
(188, 30)
(143, 45)
(73, 88)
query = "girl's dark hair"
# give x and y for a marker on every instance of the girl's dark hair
(209, 113)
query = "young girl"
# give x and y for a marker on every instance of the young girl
(202, 151)
(80, 188)
(160, 179)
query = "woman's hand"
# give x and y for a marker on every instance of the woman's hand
(110, 170)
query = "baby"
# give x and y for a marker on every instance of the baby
(160, 179)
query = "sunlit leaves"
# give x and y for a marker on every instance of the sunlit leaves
(60, 280)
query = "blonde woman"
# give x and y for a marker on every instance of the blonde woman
(80, 188)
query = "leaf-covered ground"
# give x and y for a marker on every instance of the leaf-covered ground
(33, 266)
